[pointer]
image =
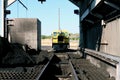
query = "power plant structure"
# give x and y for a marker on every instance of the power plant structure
(97, 56)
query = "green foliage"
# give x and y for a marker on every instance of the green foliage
(45, 37)
(72, 36)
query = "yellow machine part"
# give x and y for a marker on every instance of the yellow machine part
(57, 33)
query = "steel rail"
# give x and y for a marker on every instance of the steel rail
(73, 70)
(43, 70)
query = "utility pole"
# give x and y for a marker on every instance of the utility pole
(59, 18)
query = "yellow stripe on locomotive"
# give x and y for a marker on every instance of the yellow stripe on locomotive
(60, 40)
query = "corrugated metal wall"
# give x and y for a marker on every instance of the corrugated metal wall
(111, 36)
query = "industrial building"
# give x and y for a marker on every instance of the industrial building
(99, 25)
(97, 56)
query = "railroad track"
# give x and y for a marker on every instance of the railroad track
(61, 66)
(27, 73)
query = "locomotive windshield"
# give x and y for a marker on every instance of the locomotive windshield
(54, 33)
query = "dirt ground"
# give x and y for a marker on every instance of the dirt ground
(48, 42)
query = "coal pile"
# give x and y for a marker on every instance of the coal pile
(4, 48)
(17, 57)
(14, 54)
(42, 58)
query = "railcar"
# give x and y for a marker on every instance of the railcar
(60, 40)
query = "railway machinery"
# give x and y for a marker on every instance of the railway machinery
(60, 40)
(90, 61)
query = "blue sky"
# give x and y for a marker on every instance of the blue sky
(47, 13)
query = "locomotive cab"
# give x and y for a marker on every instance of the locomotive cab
(60, 40)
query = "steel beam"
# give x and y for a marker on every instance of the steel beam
(96, 15)
(23, 5)
(9, 2)
(75, 2)
(93, 5)
(90, 21)
(85, 14)
(112, 5)
(111, 13)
